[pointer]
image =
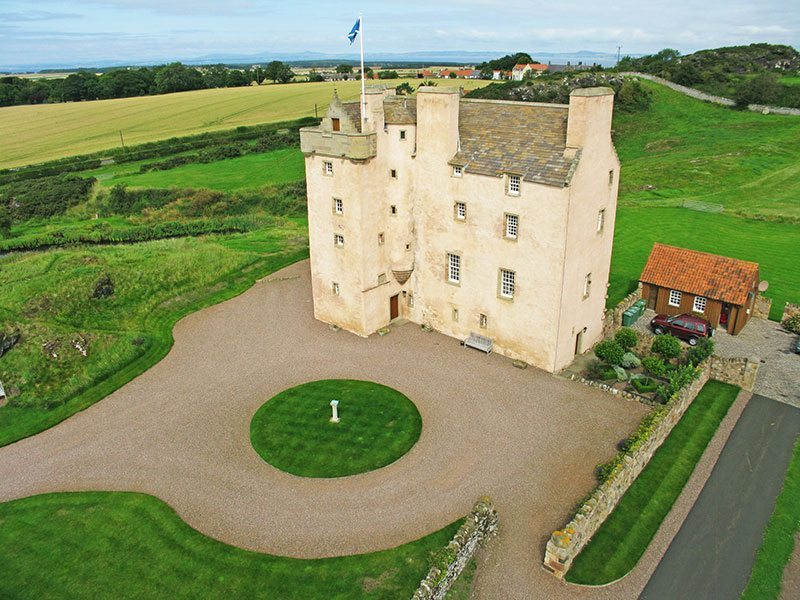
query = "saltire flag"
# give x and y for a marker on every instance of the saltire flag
(354, 31)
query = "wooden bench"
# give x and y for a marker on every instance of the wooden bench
(479, 342)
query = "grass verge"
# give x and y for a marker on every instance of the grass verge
(293, 432)
(623, 538)
(779, 537)
(125, 545)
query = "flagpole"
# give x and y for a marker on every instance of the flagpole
(363, 74)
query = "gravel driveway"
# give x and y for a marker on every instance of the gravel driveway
(181, 432)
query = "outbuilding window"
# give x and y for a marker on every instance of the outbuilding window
(699, 305)
(674, 298)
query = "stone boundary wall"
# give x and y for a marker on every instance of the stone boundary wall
(762, 307)
(565, 544)
(741, 372)
(612, 319)
(481, 524)
(760, 108)
(790, 310)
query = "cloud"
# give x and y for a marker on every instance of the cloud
(31, 16)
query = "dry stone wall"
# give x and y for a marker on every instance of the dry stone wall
(741, 372)
(565, 544)
(481, 524)
(613, 316)
(790, 310)
(762, 307)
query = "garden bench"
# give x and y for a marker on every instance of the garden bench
(479, 342)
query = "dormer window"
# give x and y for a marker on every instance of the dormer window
(458, 171)
(513, 185)
(336, 124)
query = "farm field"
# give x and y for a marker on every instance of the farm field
(34, 134)
(691, 150)
(125, 545)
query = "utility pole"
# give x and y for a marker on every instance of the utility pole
(122, 140)
(619, 48)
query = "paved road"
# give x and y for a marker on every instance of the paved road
(712, 554)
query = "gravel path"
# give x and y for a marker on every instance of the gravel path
(181, 432)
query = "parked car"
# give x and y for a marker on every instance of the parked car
(686, 327)
(796, 346)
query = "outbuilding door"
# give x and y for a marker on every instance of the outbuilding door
(394, 307)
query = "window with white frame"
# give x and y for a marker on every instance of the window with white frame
(453, 268)
(674, 298)
(587, 285)
(699, 304)
(461, 211)
(512, 226)
(327, 167)
(507, 283)
(338, 240)
(601, 220)
(335, 289)
(458, 171)
(513, 185)
(338, 206)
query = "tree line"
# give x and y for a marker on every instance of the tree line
(126, 83)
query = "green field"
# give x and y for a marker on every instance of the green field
(691, 150)
(250, 171)
(622, 539)
(773, 245)
(98, 545)
(34, 134)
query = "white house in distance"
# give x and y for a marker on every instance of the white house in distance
(520, 72)
(482, 216)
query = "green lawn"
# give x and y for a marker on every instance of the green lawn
(122, 545)
(48, 297)
(293, 432)
(779, 537)
(622, 539)
(249, 171)
(775, 246)
(688, 149)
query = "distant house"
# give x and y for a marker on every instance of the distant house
(720, 289)
(519, 72)
(460, 73)
(497, 75)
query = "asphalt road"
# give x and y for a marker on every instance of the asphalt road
(712, 555)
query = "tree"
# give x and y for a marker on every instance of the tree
(507, 62)
(666, 346)
(609, 351)
(487, 73)
(216, 76)
(345, 69)
(387, 75)
(404, 89)
(626, 337)
(278, 72)
(314, 76)
(177, 77)
(237, 78)
(452, 75)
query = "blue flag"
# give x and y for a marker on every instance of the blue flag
(354, 31)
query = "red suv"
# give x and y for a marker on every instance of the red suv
(685, 327)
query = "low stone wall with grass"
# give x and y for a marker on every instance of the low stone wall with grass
(761, 307)
(481, 524)
(618, 475)
(612, 319)
(740, 372)
(790, 310)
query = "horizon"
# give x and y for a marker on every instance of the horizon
(105, 33)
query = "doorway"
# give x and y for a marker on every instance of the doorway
(579, 343)
(724, 314)
(394, 307)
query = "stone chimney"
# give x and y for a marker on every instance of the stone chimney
(437, 122)
(589, 121)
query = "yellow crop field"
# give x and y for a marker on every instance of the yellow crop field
(34, 134)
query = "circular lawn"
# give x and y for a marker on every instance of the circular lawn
(294, 433)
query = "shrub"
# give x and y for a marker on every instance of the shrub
(620, 373)
(610, 351)
(45, 197)
(792, 324)
(654, 365)
(666, 346)
(631, 361)
(626, 337)
(608, 373)
(644, 385)
(678, 378)
(595, 370)
(700, 352)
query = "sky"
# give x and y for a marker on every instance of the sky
(37, 32)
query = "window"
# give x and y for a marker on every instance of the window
(587, 285)
(402, 134)
(335, 289)
(335, 124)
(512, 225)
(338, 240)
(611, 177)
(699, 304)
(507, 283)
(455, 314)
(338, 206)
(327, 167)
(458, 171)
(381, 278)
(393, 209)
(381, 239)
(453, 268)
(408, 247)
(513, 185)
(601, 220)
(394, 173)
(461, 211)
(674, 298)
(483, 321)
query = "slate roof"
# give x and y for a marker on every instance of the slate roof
(399, 110)
(353, 111)
(521, 138)
(699, 273)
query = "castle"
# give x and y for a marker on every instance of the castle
(482, 216)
